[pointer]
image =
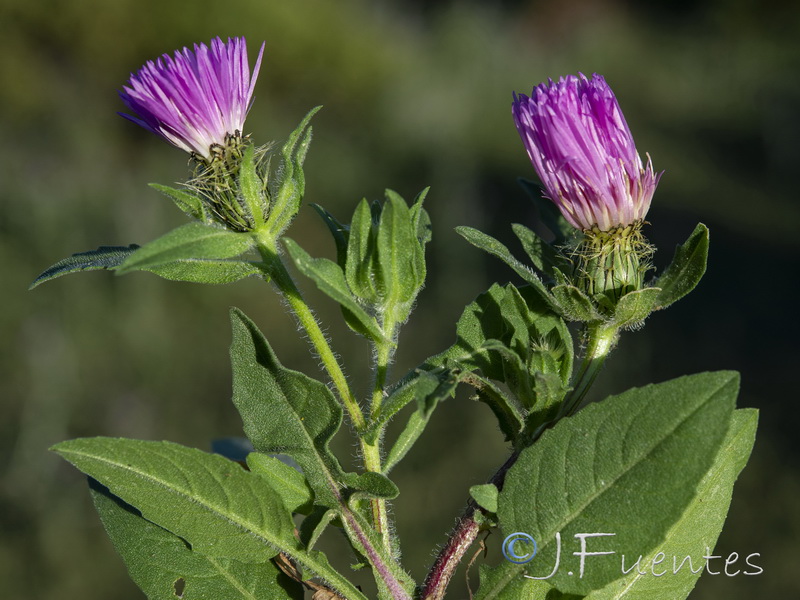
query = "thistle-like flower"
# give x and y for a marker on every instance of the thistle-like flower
(583, 151)
(197, 100)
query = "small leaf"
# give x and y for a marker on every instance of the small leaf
(543, 256)
(574, 304)
(285, 411)
(193, 206)
(330, 279)
(190, 241)
(157, 560)
(372, 484)
(290, 183)
(252, 188)
(634, 307)
(214, 272)
(492, 246)
(361, 254)
(287, 481)
(485, 495)
(686, 269)
(340, 233)
(105, 257)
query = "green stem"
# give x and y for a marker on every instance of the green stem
(285, 284)
(600, 339)
(384, 352)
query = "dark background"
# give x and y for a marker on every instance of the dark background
(415, 94)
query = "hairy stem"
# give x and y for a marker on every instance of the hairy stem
(384, 352)
(460, 540)
(600, 339)
(285, 284)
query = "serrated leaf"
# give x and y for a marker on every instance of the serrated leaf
(287, 481)
(161, 563)
(193, 206)
(485, 495)
(697, 530)
(492, 246)
(190, 241)
(329, 278)
(285, 411)
(105, 257)
(686, 269)
(629, 466)
(218, 507)
(634, 307)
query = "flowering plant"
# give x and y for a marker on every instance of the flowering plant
(647, 473)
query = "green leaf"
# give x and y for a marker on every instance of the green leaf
(330, 279)
(695, 533)
(361, 254)
(190, 241)
(371, 484)
(219, 508)
(686, 269)
(543, 256)
(207, 271)
(401, 259)
(193, 206)
(574, 305)
(290, 185)
(428, 388)
(287, 481)
(492, 246)
(252, 188)
(634, 307)
(485, 495)
(314, 524)
(340, 233)
(105, 257)
(285, 411)
(629, 466)
(162, 564)
(518, 588)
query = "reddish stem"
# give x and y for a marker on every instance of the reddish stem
(460, 540)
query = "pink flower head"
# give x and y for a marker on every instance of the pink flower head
(197, 98)
(583, 151)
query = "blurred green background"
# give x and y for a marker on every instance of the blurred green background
(415, 93)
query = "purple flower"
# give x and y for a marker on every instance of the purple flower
(584, 153)
(196, 99)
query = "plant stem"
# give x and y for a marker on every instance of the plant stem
(384, 352)
(600, 339)
(285, 284)
(460, 540)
